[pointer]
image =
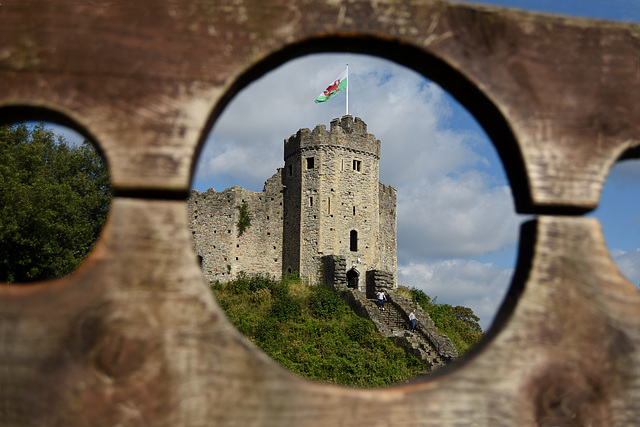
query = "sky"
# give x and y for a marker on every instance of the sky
(457, 227)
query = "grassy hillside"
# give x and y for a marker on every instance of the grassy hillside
(310, 331)
(458, 323)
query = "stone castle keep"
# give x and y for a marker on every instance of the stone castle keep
(324, 215)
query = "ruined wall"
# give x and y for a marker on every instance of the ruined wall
(224, 252)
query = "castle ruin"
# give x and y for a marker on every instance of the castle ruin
(325, 215)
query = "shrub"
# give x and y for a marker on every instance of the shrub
(244, 218)
(326, 303)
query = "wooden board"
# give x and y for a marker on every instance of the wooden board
(134, 337)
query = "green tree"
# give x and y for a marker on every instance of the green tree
(54, 200)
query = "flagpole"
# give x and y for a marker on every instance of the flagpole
(347, 90)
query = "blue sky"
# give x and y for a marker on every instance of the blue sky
(457, 229)
(616, 10)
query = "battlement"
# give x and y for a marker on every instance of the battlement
(346, 132)
(349, 125)
(387, 189)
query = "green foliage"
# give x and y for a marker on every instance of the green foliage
(54, 200)
(244, 218)
(309, 330)
(459, 323)
(326, 304)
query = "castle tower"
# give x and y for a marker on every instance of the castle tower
(332, 198)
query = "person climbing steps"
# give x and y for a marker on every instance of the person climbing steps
(412, 319)
(381, 298)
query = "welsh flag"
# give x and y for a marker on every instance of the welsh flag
(335, 87)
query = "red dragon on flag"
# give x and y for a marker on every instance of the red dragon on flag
(335, 87)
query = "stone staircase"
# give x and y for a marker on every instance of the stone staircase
(427, 343)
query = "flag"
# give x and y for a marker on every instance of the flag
(335, 87)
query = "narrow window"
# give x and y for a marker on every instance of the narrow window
(354, 210)
(328, 205)
(310, 161)
(290, 170)
(353, 241)
(311, 201)
(357, 165)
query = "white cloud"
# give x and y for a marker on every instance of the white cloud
(455, 216)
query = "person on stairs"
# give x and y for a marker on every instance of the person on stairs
(381, 298)
(412, 318)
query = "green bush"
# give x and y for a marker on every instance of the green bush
(244, 218)
(309, 330)
(285, 307)
(268, 333)
(326, 304)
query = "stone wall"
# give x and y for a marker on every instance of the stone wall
(388, 240)
(334, 271)
(223, 251)
(379, 280)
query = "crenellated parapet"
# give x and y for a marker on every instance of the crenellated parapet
(347, 132)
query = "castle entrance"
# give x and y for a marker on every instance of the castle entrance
(352, 278)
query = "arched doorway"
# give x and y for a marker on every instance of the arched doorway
(353, 278)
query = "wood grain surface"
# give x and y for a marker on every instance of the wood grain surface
(134, 338)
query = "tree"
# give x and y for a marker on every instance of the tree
(54, 200)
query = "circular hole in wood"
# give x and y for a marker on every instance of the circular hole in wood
(55, 194)
(619, 214)
(408, 154)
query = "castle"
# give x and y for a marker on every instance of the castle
(324, 215)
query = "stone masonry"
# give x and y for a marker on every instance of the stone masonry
(426, 343)
(326, 201)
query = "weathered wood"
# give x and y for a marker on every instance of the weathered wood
(134, 337)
